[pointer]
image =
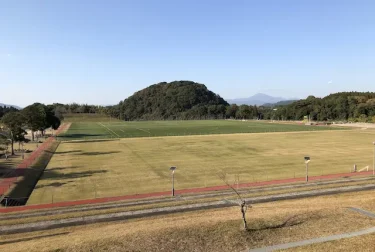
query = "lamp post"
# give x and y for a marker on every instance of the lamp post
(307, 160)
(173, 168)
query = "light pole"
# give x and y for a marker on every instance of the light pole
(173, 168)
(373, 161)
(307, 160)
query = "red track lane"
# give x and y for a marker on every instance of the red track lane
(7, 183)
(183, 191)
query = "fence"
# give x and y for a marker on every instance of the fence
(69, 190)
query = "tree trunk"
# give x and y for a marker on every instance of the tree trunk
(12, 146)
(243, 211)
(32, 135)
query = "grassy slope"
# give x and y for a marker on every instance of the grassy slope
(90, 129)
(213, 230)
(139, 165)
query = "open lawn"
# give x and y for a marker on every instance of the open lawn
(213, 230)
(100, 168)
(96, 129)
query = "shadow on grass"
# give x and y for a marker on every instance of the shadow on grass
(62, 168)
(32, 238)
(7, 163)
(78, 136)
(68, 152)
(11, 172)
(91, 141)
(54, 184)
(94, 153)
(48, 174)
(289, 222)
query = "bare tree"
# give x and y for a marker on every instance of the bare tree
(241, 202)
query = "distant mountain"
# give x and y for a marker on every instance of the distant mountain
(280, 103)
(7, 105)
(258, 99)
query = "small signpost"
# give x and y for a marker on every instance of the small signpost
(173, 168)
(307, 160)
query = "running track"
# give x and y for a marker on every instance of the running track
(183, 191)
(7, 183)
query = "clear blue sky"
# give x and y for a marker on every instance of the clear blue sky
(100, 52)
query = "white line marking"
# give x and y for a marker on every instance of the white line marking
(109, 129)
(144, 130)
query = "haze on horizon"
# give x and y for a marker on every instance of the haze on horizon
(100, 52)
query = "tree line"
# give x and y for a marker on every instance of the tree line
(36, 117)
(186, 100)
(344, 106)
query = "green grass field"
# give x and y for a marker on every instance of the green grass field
(100, 168)
(93, 128)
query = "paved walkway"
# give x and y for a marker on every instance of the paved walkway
(361, 211)
(321, 239)
(313, 241)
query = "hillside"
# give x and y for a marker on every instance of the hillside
(6, 109)
(257, 99)
(8, 106)
(174, 100)
(345, 106)
(280, 103)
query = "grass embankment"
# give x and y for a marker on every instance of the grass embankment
(210, 230)
(102, 168)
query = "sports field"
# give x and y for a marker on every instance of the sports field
(101, 168)
(91, 129)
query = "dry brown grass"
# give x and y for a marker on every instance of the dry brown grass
(213, 230)
(364, 243)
